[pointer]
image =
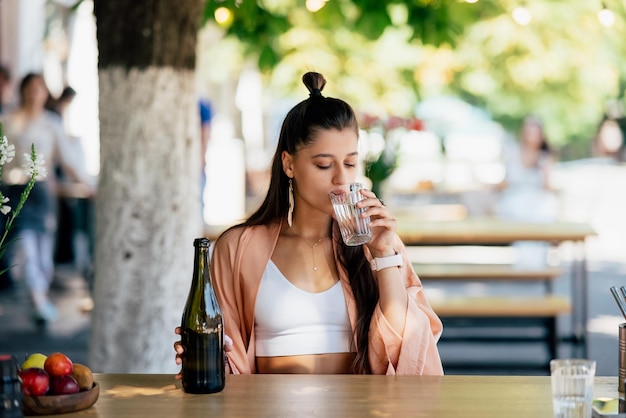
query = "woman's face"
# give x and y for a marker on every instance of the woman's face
(35, 93)
(532, 134)
(331, 160)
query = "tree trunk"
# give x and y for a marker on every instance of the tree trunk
(148, 202)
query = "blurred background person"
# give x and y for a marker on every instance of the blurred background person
(206, 115)
(74, 241)
(525, 193)
(60, 105)
(5, 80)
(31, 254)
(609, 141)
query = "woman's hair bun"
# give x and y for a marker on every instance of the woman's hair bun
(315, 83)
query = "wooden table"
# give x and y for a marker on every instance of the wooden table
(493, 231)
(275, 396)
(489, 231)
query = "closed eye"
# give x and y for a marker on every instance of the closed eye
(326, 167)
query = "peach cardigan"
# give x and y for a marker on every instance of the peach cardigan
(239, 259)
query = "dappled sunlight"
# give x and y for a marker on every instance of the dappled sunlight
(125, 391)
(310, 390)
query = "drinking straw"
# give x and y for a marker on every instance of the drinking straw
(620, 302)
(623, 289)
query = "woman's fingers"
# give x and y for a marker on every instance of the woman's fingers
(178, 347)
(228, 343)
(386, 222)
(374, 205)
(377, 212)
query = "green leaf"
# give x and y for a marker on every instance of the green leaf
(372, 24)
(267, 58)
(381, 168)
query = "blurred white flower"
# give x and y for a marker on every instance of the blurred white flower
(7, 152)
(35, 165)
(4, 209)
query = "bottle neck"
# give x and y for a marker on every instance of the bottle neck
(201, 264)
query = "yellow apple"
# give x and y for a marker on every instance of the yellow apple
(35, 360)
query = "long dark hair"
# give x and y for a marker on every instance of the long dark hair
(26, 80)
(299, 129)
(535, 120)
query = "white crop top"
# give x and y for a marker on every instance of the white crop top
(289, 321)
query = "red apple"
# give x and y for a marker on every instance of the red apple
(35, 382)
(63, 385)
(58, 364)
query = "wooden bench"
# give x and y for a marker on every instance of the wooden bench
(458, 271)
(468, 318)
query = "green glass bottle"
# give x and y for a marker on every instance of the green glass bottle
(203, 369)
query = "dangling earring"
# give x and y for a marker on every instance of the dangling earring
(291, 204)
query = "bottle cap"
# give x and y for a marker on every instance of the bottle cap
(201, 242)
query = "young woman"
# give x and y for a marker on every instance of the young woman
(295, 298)
(526, 184)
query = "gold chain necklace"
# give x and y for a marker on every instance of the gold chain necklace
(313, 250)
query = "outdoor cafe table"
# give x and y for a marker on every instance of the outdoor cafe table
(489, 231)
(275, 396)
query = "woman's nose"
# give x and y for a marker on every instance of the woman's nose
(341, 176)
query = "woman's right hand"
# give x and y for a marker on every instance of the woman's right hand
(178, 347)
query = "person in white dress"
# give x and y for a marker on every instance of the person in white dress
(526, 194)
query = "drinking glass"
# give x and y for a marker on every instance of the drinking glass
(355, 230)
(572, 387)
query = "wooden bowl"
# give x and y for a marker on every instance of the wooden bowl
(61, 404)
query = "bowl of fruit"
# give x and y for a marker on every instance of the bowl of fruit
(55, 385)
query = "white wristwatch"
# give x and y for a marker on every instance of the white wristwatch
(389, 261)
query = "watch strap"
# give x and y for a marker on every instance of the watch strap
(395, 260)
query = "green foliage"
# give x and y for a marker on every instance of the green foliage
(259, 24)
(373, 18)
(381, 168)
(563, 75)
(255, 26)
(384, 56)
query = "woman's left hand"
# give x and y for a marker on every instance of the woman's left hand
(382, 224)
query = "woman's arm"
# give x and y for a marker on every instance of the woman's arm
(391, 288)
(392, 295)
(404, 329)
(412, 349)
